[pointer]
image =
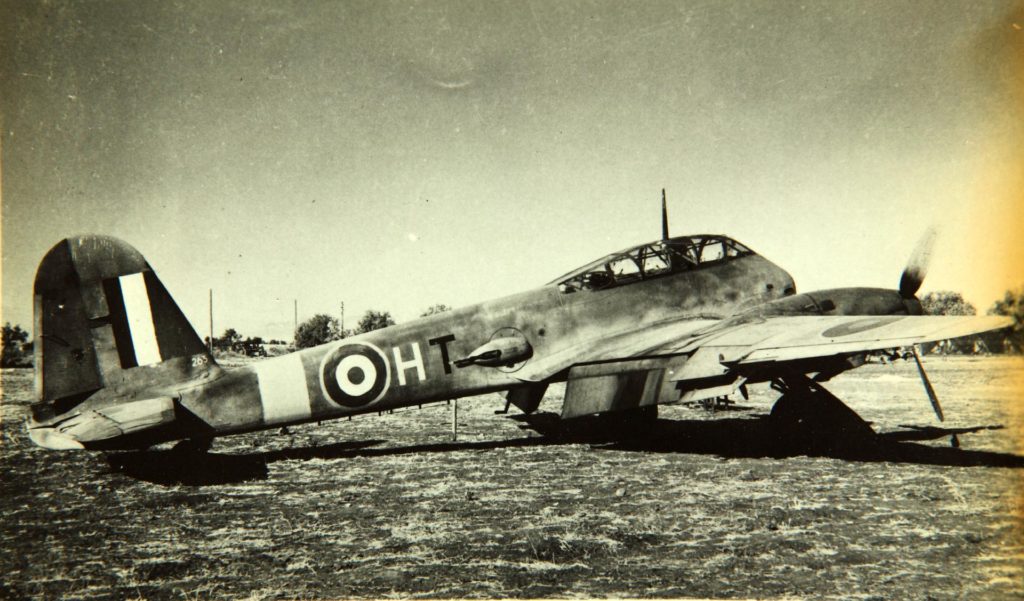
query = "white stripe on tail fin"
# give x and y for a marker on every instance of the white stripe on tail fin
(140, 319)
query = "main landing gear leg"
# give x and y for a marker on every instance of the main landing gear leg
(809, 415)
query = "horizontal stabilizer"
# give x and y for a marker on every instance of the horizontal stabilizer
(97, 425)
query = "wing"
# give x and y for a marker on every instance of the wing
(781, 339)
(695, 359)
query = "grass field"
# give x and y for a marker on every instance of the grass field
(705, 506)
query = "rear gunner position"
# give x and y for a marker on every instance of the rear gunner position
(118, 366)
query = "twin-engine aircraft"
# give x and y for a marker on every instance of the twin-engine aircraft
(680, 319)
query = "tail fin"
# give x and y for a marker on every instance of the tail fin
(106, 327)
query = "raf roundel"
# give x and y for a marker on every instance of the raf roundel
(355, 374)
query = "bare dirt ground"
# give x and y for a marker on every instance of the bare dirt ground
(707, 505)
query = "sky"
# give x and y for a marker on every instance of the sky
(394, 155)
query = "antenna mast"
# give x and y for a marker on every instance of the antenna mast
(664, 217)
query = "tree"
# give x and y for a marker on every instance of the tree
(1012, 305)
(317, 330)
(374, 320)
(16, 348)
(947, 302)
(231, 336)
(435, 309)
(228, 339)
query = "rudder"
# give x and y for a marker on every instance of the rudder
(106, 327)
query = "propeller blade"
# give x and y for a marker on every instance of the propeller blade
(927, 385)
(917, 265)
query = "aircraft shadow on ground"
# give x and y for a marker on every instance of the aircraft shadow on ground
(744, 437)
(739, 438)
(190, 468)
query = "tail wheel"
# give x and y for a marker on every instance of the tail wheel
(194, 445)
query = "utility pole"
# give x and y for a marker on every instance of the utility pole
(211, 321)
(342, 318)
(295, 330)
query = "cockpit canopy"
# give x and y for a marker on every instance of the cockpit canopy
(656, 259)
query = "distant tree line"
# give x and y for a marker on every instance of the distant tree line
(231, 340)
(947, 302)
(1012, 305)
(17, 349)
(323, 328)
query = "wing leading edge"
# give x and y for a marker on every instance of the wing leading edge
(807, 337)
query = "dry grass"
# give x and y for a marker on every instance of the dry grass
(387, 506)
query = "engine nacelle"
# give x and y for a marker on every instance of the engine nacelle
(843, 301)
